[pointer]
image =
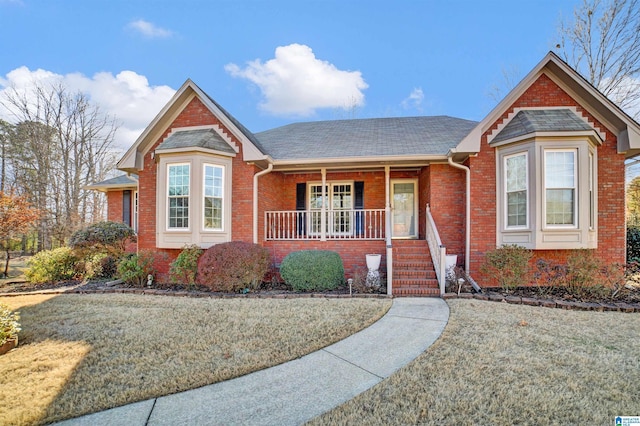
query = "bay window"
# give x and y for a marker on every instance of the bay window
(547, 193)
(213, 196)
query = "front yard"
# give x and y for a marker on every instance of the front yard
(85, 353)
(502, 364)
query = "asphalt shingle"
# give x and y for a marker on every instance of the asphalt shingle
(399, 136)
(199, 138)
(541, 120)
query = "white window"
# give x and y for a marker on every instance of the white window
(213, 197)
(339, 208)
(516, 187)
(178, 196)
(560, 187)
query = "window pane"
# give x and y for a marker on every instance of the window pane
(516, 190)
(213, 197)
(560, 204)
(178, 195)
(517, 208)
(517, 173)
(559, 169)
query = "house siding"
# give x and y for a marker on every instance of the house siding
(611, 223)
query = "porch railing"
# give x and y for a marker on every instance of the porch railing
(366, 224)
(438, 251)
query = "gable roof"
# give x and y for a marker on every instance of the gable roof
(365, 138)
(626, 129)
(198, 138)
(118, 182)
(133, 159)
(530, 121)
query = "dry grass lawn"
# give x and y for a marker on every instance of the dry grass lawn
(84, 353)
(501, 364)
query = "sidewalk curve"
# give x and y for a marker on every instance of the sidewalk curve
(296, 391)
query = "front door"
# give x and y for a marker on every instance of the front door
(404, 205)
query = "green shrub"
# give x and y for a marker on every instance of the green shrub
(509, 264)
(312, 270)
(232, 267)
(52, 266)
(9, 325)
(184, 268)
(103, 236)
(100, 265)
(135, 269)
(633, 244)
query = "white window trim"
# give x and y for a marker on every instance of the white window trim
(167, 197)
(223, 196)
(576, 189)
(506, 192)
(329, 205)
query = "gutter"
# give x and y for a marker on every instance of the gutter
(255, 200)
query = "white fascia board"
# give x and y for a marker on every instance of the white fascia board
(375, 159)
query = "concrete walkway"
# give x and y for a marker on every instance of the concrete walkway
(296, 391)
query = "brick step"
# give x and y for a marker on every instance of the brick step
(415, 282)
(413, 264)
(416, 291)
(411, 256)
(413, 273)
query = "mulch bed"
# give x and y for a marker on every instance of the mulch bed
(627, 300)
(267, 290)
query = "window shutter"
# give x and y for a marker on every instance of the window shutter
(358, 204)
(126, 207)
(301, 192)
(301, 204)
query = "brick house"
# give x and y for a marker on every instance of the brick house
(544, 169)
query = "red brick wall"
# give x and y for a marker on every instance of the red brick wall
(611, 226)
(447, 200)
(114, 206)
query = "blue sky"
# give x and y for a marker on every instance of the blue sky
(273, 62)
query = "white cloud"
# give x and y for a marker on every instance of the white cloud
(414, 100)
(148, 29)
(126, 96)
(296, 83)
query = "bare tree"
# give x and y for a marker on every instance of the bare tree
(62, 143)
(602, 42)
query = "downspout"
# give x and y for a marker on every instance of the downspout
(467, 237)
(387, 213)
(255, 200)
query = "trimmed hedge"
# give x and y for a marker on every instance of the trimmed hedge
(313, 270)
(233, 267)
(103, 236)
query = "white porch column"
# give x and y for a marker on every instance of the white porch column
(323, 211)
(387, 213)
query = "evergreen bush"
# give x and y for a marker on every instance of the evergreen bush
(233, 267)
(312, 270)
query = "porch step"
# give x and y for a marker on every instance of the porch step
(413, 271)
(416, 291)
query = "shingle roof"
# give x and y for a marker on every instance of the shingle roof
(118, 182)
(541, 120)
(199, 138)
(400, 136)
